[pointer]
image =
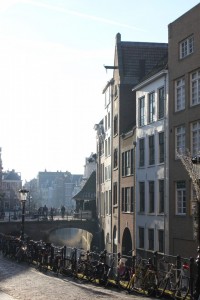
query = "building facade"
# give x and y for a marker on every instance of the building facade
(152, 161)
(132, 61)
(184, 126)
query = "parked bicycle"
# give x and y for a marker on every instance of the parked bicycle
(175, 283)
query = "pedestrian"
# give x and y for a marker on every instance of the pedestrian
(63, 211)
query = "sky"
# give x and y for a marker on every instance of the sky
(52, 73)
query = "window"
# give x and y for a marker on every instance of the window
(195, 137)
(195, 88)
(115, 130)
(151, 150)
(102, 174)
(161, 103)
(141, 237)
(151, 239)
(186, 46)
(161, 196)
(107, 203)
(161, 241)
(102, 204)
(151, 107)
(180, 139)
(115, 164)
(115, 193)
(106, 123)
(180, 94)
(108, 120)
(107, 172)
(127, 163)
(101, 148)
(107, 96)
(142, 196)
(141, 111)
(180, 198)
(142, 153)
(127, 199)
(161, 147)
(151, 196)
(110, 202)
(108, 146)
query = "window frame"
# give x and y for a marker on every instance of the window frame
(151, 150)
(161, 241)
(115, 198)
(127, 163)
(181, 208)
(151, 107)
(151, 197)
(151, 237)
(141, 237)
(141, 196)
(115, 125)
(161, 139)
(127, 199)
(195, 83)
(186, 47)
(142, 152)
(161, 185)
(161, 102)
(180, 94)
(115, 158)
(180, 138)
(142, 111)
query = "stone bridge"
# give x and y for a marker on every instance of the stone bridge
(40, 230)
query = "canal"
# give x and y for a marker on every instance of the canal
(71, 237)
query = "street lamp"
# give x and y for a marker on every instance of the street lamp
(23, 197)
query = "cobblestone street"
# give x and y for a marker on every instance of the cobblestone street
(19, 281)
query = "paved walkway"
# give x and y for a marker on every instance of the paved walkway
(20, 282)
(4, 296)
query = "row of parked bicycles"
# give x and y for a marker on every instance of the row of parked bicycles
(158, 276)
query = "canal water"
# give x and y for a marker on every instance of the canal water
(71, 237)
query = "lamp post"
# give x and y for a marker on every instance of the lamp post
(23, 197)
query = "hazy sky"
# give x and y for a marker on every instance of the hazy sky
(51, 73)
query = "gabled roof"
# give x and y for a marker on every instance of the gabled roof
(136, 59)
(88, 191)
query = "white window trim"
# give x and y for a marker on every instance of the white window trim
(180, 87)
(188, 44)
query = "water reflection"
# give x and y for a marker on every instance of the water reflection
(71, 237)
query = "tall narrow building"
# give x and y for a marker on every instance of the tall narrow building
(184, 126)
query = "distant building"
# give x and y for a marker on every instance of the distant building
(56, 189)
(11, 184)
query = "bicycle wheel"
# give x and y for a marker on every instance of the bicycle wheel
(67, 269)
(161, 287)
(182, 288)
(149, 285)
(81, 270)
